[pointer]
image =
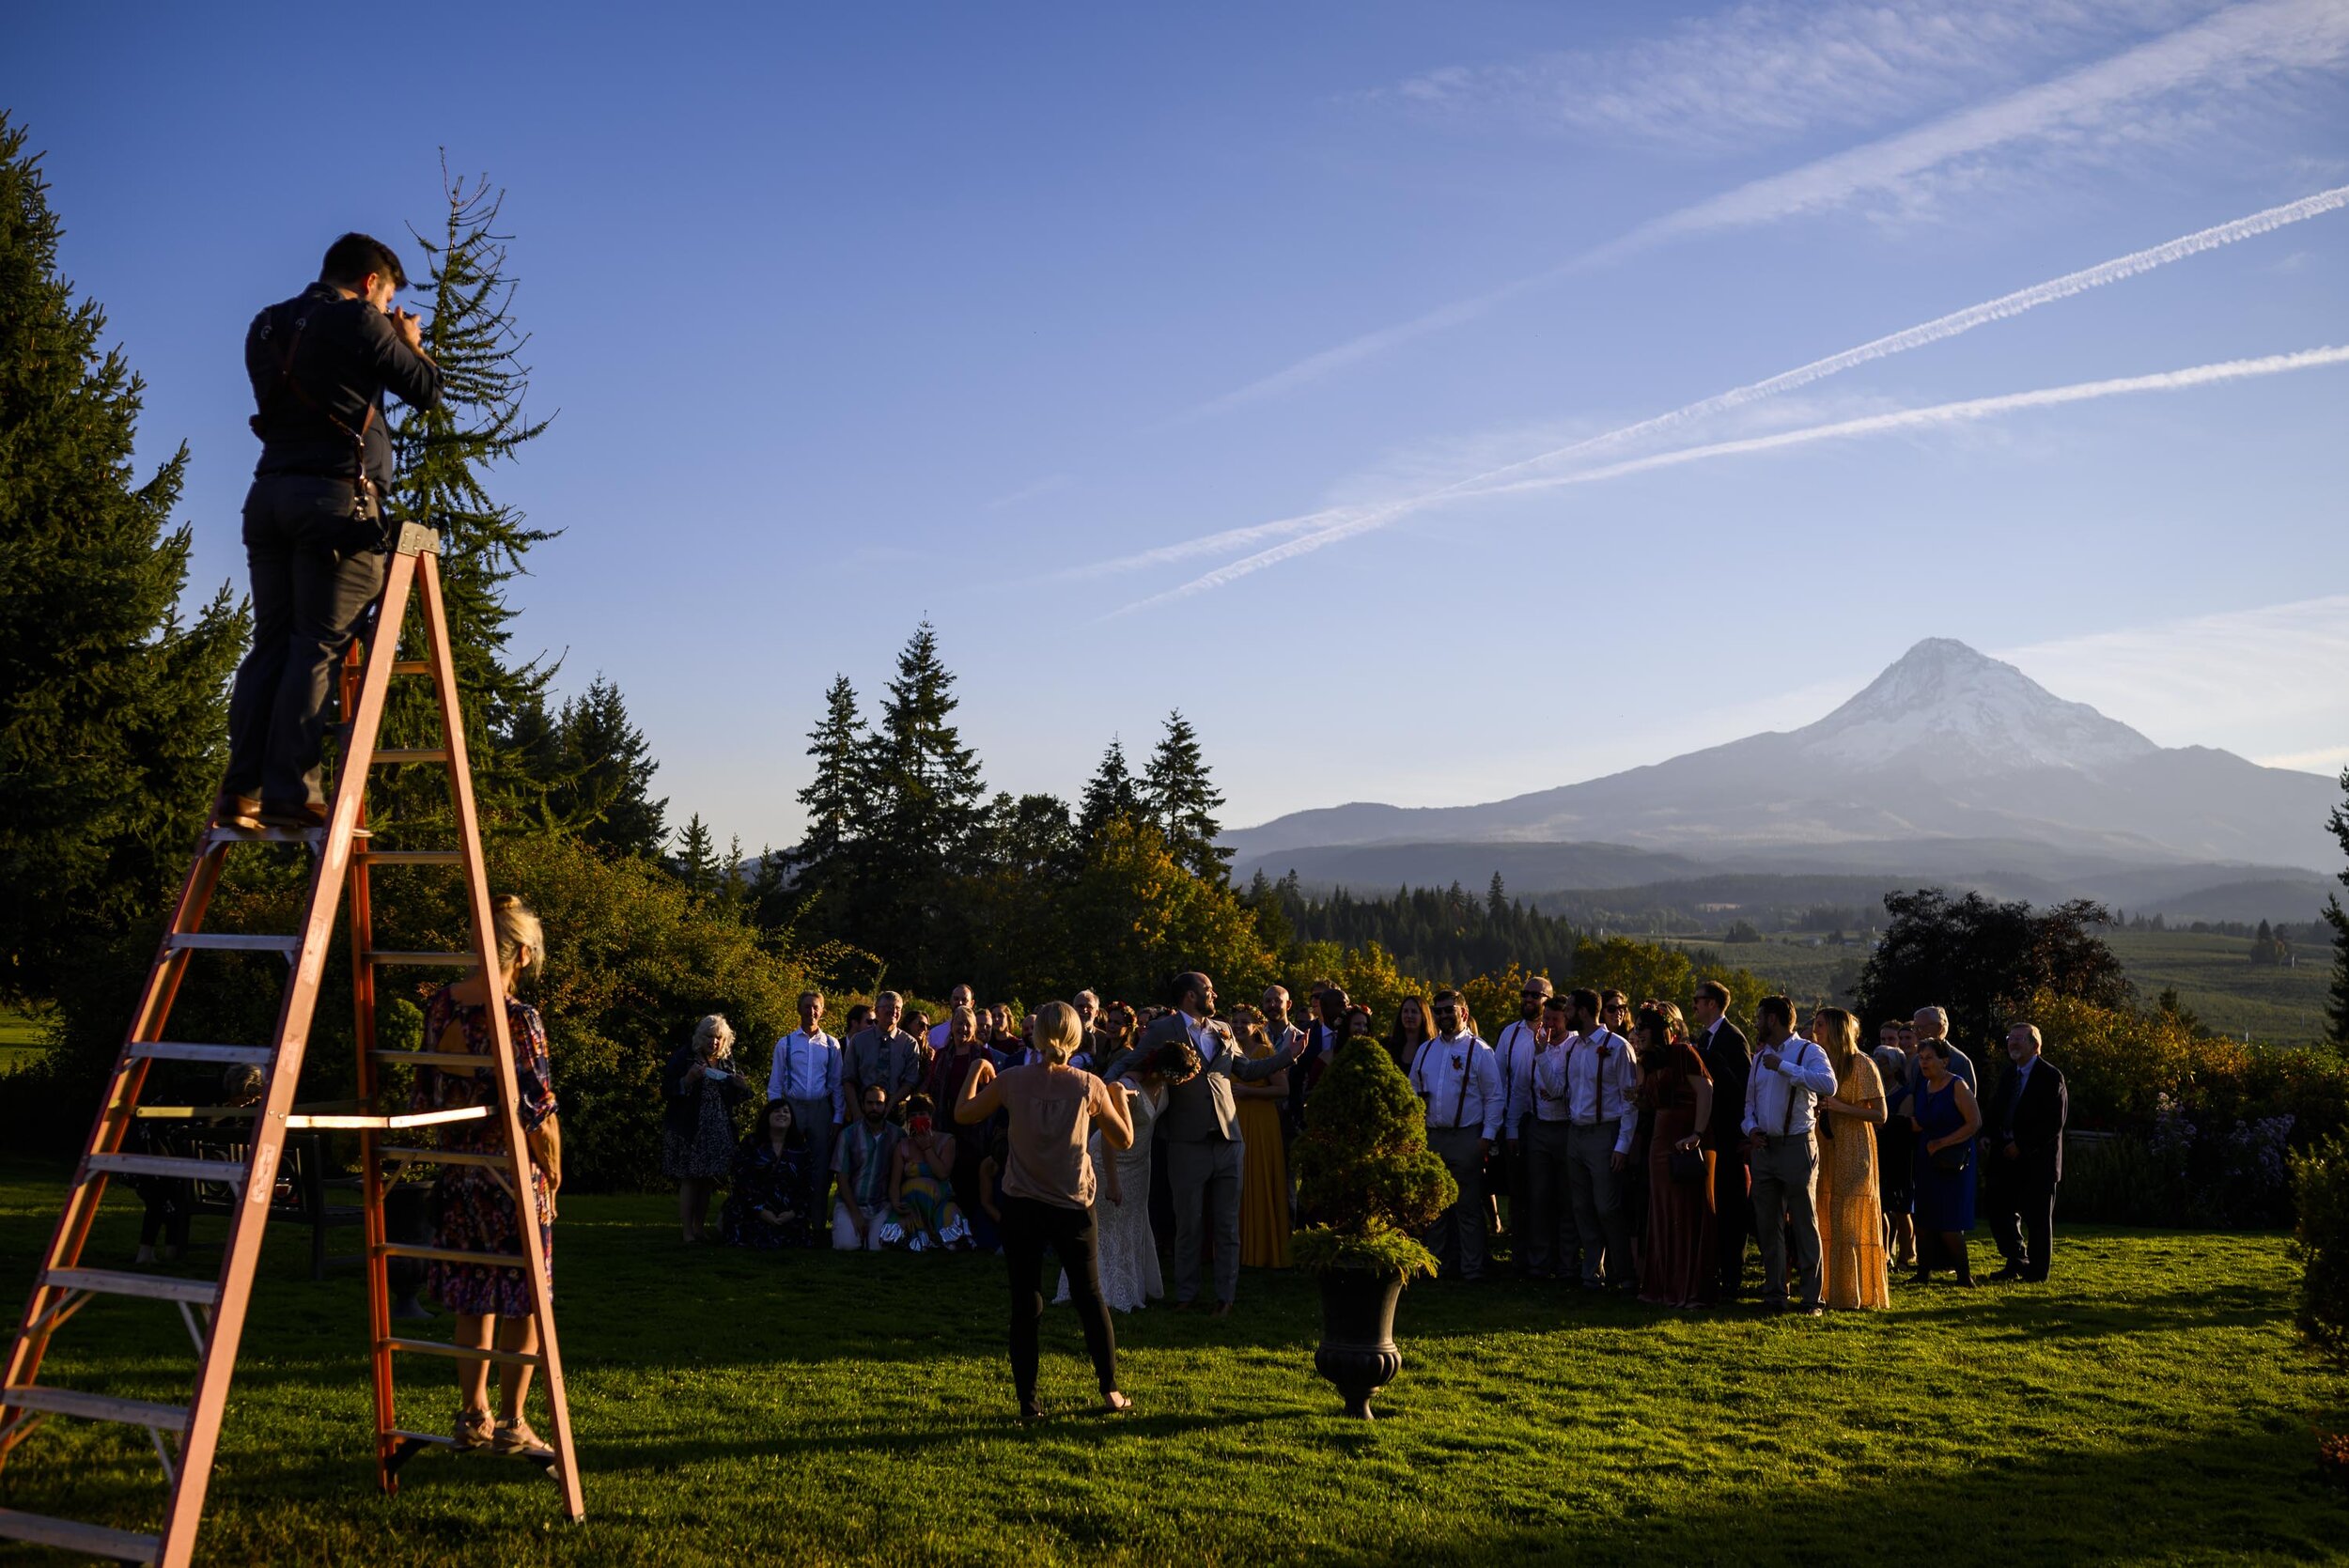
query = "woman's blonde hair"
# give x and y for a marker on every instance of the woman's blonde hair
(960, 1018)
(517, 929)
(1057, 1031)
(713, 1031)
(1838, 1034)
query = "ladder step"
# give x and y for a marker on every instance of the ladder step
(155, 1287)
(436, 1058)
(441, 1439)
(462, 1353)
(166, 1165)
(95, 1407)
(231, 941)
(412, 667)
(358, 1116)
(425, 960)
(450, 1157)
(178, 1051)
(263, 835)
(447, 1255)
(413, 857)
(72, 1535)
(409, 754)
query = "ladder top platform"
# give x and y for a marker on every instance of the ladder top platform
(328, 1115)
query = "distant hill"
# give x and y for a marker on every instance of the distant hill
(1944, 754)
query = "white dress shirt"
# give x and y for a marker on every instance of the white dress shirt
(1459, 1076)
(807, 1068)
(1784, 1099)
(1516, 1050)
(1591, 1079)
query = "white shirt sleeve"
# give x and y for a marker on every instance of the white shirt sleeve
(1809, 1069)
(1549, 1072)
(1628, 1081)
(1488, 1086)
(774, 1073)
(837, 1057)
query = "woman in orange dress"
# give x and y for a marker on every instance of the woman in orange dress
(1853, 1267)
(1264, 1170)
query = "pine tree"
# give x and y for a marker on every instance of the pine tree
(1183, 800)
(446, 454)
(2337, 1000)
(1110, 794)
(696, 863)
(838, 798)
(926, 791)
(111, 719)
(602, 771)
(1497, 900)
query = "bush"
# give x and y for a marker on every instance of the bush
(2321, 1241)
(1364, 1173)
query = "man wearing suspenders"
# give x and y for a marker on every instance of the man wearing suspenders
(1510, 1172)
(1459, 1079)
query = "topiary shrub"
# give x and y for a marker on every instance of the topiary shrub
(1364, 1173)
(2321, 1239)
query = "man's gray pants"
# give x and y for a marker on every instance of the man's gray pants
(1552, 1242)
(1457, 1236)
(1598, 1188)
(1786, 1187)
(1206, 1175)
(814, 1120)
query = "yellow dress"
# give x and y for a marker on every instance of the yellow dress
(1854, 1270)
(1264, 1183)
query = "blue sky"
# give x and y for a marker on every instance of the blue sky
(855, 315)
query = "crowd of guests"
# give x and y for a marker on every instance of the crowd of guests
(1596, 1143)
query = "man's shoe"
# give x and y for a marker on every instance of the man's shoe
(241, 812)
(2007, 1276)
(1812, 1311)
(299, 814)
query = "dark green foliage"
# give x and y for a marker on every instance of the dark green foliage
(2336, 1002)
(1431, 931)
(837, 796)
(600, 772)
(1182, 800)
(1364, 1173)
(924, 807)
(1110, 793)
(2321, 1241)
(111, 712)
(1983, 960)
(697, 865)
(446, 455)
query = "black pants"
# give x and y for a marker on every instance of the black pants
(1733, 1216)
(316, 571)
(2022, 1220)
(1029, 1226)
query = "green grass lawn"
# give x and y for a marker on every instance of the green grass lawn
(21, 1041)
(2152, 1405)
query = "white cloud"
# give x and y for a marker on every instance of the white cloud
(1761, 73)
(2253, 681)
(2157, 90)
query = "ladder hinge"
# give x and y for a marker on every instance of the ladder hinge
(416, 539)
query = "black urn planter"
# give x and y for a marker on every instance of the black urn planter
(1357, 1351)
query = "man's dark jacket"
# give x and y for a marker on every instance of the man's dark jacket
(345, 355)
(2034, 1125)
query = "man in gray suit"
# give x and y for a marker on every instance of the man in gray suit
(1200, 1129)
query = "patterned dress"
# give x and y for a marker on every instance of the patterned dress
(777, 1182)
(930, 1195)
(471, 1208)
(1854, 1269)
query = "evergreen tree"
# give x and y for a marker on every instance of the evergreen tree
(602, 773)
(696, 863)
(1182, 801)
(2337, 1000)
(1496, 901)
(446, 454)
(924, 812)
(112, 718)
(838, 797)
(1110, 794)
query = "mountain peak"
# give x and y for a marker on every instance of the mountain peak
(1946, 707)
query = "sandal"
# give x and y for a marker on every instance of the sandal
(1115, 1403)
(515, 1436)
(472, 1430)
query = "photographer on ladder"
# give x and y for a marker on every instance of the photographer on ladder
(314, 529)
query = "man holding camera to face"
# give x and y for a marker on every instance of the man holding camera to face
(314, 529)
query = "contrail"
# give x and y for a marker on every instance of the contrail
(1321, 523)
(1939, 413)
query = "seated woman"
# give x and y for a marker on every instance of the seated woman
(924, 1214)
(768, 1205)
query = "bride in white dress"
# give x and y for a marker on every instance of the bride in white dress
(1127, 1253)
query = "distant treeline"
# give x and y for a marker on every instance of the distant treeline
(1428, 930)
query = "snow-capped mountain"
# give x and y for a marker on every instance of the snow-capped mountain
(1945, 744)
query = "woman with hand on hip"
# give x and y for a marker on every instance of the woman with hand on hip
(1050, 1109)
(701, 1087)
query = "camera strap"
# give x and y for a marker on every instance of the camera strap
(366, 500)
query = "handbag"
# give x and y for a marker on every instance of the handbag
(1952, 1158)
(1687, 1166)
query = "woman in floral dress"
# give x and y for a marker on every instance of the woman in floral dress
(924, 1213)
(472, 1211)
(768, 1205)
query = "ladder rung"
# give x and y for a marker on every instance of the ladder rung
(413, 857)
(441, 960)
(96, 1407)
(450, 1157)
(74, 1535)
(358, 1116)
(463, 1353)
(231, 941)
(447, 1255)
(412, 667)
(167, 1165)
(441, 1439)
(263, 835)
(155, 1287)
(409, 754)
(178, 1051)
(436, 1057)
